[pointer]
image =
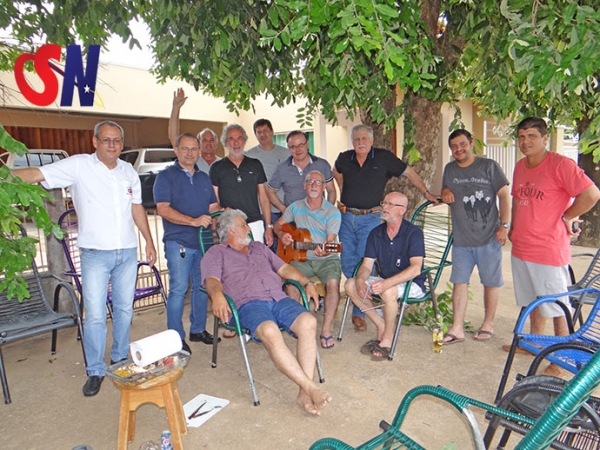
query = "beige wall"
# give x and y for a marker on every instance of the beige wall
(137, 101)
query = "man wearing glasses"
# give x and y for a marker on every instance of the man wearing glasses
(322, 219)
(470, 186)
(399, 249)
(289, 174)
(361, 175)
(184, 199)
(240, 183)
(107, 196)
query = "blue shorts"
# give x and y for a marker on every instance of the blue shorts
(488, 260)
(283, 313)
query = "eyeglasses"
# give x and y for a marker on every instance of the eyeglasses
(315, 182)
(239, 176)
(297, 147)
(390, 204)
(107, 141)
(189, 149)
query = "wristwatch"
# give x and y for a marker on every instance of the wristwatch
(270, 225)
(310, 282)
(505, 225)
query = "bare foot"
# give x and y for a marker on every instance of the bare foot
(228, 334)
(313, 401)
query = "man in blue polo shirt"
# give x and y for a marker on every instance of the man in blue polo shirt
(399, 249)
(184, 199)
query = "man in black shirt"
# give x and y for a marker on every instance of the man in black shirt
(361, 175)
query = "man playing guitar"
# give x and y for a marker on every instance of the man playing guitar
(322, 220)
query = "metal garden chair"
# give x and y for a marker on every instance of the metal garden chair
(570, 352)
(436, 224)
(33, 316)
(541, 434)
(531, 396)
(208, 237)
(590, 279)
(69, 224)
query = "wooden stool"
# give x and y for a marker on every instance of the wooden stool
(163, 391)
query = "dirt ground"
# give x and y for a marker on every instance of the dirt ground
(48, 410)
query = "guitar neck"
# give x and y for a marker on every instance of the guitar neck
(305, 245)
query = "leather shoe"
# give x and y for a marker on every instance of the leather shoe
(92, 385)
(359, 323)
(205, 337)
(186, 347)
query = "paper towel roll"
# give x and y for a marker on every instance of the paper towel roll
(152, 348)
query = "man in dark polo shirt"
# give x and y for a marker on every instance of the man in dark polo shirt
(251, 275)
(184, 199)
(240, 183)
(361, 175)
(399, 249)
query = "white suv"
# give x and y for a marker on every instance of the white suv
(34, 158)
(146, 160)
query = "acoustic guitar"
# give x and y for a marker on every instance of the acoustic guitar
(302, 243)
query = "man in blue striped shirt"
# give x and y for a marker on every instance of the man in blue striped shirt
(322, 220)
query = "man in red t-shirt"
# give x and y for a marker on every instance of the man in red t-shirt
(543, 214)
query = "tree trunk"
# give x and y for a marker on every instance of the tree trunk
(427, 115)
(590, 230)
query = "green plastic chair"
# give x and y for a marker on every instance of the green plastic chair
(208, 237)
(541, 435)
(436, 224)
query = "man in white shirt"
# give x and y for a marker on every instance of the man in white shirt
(107, 196)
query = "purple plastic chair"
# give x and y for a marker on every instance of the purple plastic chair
(69, 225)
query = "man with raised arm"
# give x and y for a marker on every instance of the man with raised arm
(207, 138)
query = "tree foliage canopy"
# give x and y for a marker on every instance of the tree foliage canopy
(536, 58)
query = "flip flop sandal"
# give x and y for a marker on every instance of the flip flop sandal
(453, 339)
(385, 352)
(368, 346)
(487, 335)
(326, 339)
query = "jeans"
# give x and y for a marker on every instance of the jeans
(98, 268)
(181, 270)
(354, 231)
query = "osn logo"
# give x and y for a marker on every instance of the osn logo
(74, 75)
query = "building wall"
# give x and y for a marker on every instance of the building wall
(142, 106)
